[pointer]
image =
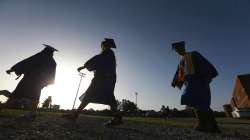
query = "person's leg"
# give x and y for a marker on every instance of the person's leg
(117, 117)
(200, 116)
(5, 93)
(207, 122)
(27, 104)
(75, 114)
(83, 104)
(115, 112)
(212, 123)
(12, 103)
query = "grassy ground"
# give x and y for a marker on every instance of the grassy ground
(51, 126)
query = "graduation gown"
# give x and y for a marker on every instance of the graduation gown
(39, 71)
(101, 89)
(197, 90)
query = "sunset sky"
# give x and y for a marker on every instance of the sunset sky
(143, 31)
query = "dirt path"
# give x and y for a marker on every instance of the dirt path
(53, 127)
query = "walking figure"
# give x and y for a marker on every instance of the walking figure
(38, 72)
(101, 89)
(196, 73)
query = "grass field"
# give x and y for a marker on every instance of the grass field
(51, 126)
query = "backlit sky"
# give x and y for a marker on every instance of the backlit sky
(143, 31)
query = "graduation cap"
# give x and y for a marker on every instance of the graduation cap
(109, 42)
(49, 48)
(180, 44)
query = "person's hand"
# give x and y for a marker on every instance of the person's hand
(79, 69)
(8, 71)
(173, 85)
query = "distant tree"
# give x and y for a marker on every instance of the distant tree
(55, 107)
(119, 105)
(165, 111)
(128, 106)
(175, 110)
(91, 110)
(47, 103)
(163, 108)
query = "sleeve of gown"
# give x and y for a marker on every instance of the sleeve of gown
(25, 65)
(93, 63)
(204, 67)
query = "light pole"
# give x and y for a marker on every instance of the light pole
(81, 75)
(136, 94)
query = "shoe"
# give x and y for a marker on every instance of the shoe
(114, 122)
(207, 122)
(28, 117)
(208, 130)
(210, 126)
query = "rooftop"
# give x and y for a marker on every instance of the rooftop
(245, 81)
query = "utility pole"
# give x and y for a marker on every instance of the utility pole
(136, 94)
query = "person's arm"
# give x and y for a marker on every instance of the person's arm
(177, 82)
(174, 81)
(93, 63)
(80, 68)
(9, 71)
(204, 68)
(25, 65)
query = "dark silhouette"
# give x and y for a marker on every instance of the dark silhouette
(128, 107)
(102, 86)
(39, 71)
(47, 103)
(196, 73)
(165, 111)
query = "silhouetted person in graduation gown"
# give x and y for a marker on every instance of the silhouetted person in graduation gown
(38, 72)
(196, 73)
(101, 89)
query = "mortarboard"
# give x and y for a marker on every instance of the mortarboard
(49, 48)
(180, 44)
(110, 42)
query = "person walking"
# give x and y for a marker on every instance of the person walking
(196, 73)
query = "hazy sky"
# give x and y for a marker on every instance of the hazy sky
(143, 31)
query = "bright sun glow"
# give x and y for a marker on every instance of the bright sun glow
(64, 90)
